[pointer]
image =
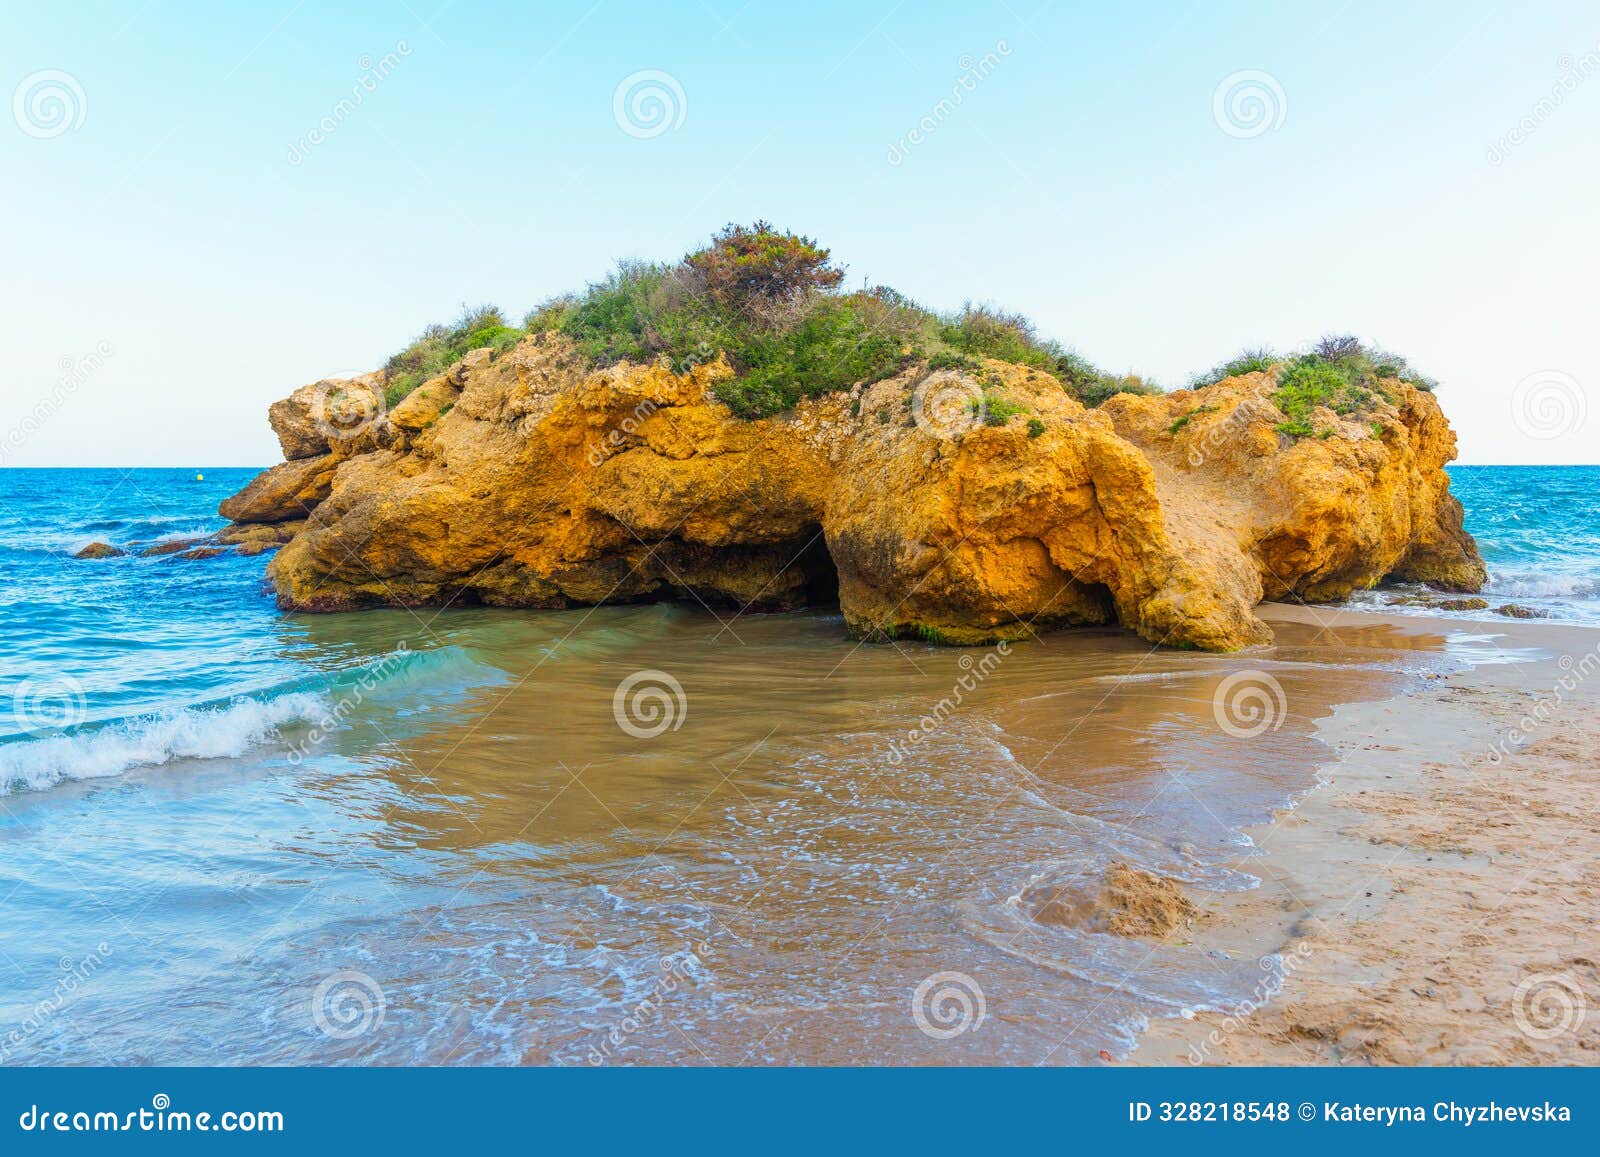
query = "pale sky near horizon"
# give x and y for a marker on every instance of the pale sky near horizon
(180, 252)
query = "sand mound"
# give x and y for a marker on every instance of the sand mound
(1129, 901)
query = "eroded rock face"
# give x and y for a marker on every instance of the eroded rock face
(1317, 517)
(317, 418)
(290, 490)
(528, 480)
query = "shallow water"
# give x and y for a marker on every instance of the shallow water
(233, 836)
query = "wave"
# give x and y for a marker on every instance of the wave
(1556, 598)
(151, 740)
(402, 673)
(130, 535)
(228, 728)
(1537, 585)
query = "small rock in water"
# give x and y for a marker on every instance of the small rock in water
(1518, 611)
(173, 546)
(1463, 605)
(248, 532)
(99, 550)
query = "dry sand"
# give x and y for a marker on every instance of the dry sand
(1437, 901)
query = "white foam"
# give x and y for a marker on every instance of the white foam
(192, 733)
(1532, 584)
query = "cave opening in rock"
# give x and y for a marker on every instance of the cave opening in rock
(821, 576)
(1102, 602)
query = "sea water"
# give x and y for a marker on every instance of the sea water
(654, 834)
(1537, 530)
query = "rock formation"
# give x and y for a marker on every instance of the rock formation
(952, 505)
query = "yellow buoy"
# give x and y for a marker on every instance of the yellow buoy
(199, 477)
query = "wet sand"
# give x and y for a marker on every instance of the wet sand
(1437, 901)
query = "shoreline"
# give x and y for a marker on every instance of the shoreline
(1430, 904)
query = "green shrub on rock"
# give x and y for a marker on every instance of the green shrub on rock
(772, 303)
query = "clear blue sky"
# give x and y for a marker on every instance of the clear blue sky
(1085, 180)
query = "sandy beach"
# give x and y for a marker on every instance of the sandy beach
(1435, 901)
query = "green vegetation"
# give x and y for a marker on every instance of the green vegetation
(766, 299)
(1184, 419)
(889, 632)
(948, 359)
(1092, 391)
(1366, 364)
(996, 410)
(1309, 382)
(1244, 362)
(772, 302)
(979, 331)
(1339, 372)
(831, 346)
(1353, 358)
(439, 347)
(982, 331)
(757, 266)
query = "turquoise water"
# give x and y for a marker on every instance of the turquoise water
(230, 835)
(137, 660)
(1538, 531)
